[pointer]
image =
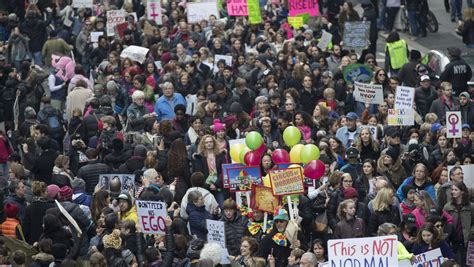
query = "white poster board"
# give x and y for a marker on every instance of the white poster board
(151, 217)
(153, 8)
(401, 117)
(227, 59)
(114, 17)
(135, 53)
(95, 36)
(404, 97)
(468, 174)
(430, 258)
(326, 38)
(83, 3)
(201, 11)
(368, 93)
(453, 124)
(216, 232)
(381, 251)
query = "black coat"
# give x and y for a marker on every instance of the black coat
(200, 165)
(379, 217)
(424, 98)
(43, 165)
(90, 174)
(234, 231)
(280, 253)
(457, 72)
(32, 226)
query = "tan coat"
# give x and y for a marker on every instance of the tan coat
(77, 98)
(396, 173)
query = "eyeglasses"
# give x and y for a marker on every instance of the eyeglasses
(347, 181)
(438, 225)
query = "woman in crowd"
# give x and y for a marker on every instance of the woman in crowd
(428, 238)
(419, 180)
(248, 249)
(384, 211)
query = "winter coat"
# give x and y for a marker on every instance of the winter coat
(42, 260)
(115, 159)
(280, 253)
(349, 228)
(424, 97)
(42, 165)
(234, 231)
(209, 201)
(440, 107)
(396, 173)
(379, 217)
(197, 217)
(33, 227)
(465, 214)
(91, 124)
(427, 186)
(5, 149)
(90, 174)
(36, 31)
(129, 215)
(467, 113)
(467, 32)
(77, 98)
(200, 165)
(421, 217)
(18, 48)
(19, 202)
(457, 72)
(446, 251)
(335, 198)
(132, 164)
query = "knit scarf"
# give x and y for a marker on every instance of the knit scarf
(254, 227)
(280, 239)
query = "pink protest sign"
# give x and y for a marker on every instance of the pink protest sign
(303, 6)
(237, 8)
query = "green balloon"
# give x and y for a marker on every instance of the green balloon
(253, 140)
(242, 154)
(309, 152)
(291, 136)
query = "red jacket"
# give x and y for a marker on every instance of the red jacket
(5, 149)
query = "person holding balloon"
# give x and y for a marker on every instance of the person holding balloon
(305, 124)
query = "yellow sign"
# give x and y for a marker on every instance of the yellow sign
(296, 22)
(287, 181)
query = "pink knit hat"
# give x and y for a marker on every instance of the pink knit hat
(53, 191)
(218, 126)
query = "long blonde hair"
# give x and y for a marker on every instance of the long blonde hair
(468, 14)
(202, 148)
(383, 199)
(341, 214)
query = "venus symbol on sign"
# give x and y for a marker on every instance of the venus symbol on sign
(453, 120)
(153, 14)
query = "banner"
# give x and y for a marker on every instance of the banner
(296, 22)
(356, 35)
(116, 183)
(381, 251)
(287, 182)
(303, 6)
(401, 117)
(83, 3)
(198, 12)
(404, 97)
(153, 10)
(114, 17)
(237, 8)
(225, 178)
(135, 53)
(326, 38)
(454, 124)
(368, 93)
(263, 199)
(216, 232)
(429, 258)
(151, 217)
(255, 17)
(242, 178)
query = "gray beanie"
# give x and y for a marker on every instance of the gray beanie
(78, 185)
(111, 85)
(30, 113)
(140, 151)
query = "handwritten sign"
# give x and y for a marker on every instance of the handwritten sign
(401, 117)
(430, 258)
(454, 124)
(241, 178)
(114, 17)
(135, 53)
(198, 12)
(83, 3)
(117, 182)
(326, 38)
(368, 93)
(373, 130)
(216, 232)
(255, 17)
(237, 8)
(296, 22)
(287, 182)
(95, 36)
(151, 216)
(381, 251)
(303, 6)
(404, 97)
(263, 199)
(356, 35)
(153, 9)
(227, 59)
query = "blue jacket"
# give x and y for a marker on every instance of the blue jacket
(343, 135)
(165, 110)
(428, 187)
(197, 220)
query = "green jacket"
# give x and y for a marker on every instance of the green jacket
(466, 215)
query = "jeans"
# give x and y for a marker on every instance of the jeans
(381, 20)
(413, 22)
(37, 58)
(456, 9)
(220, 197)
(4, 170)
(391, 15)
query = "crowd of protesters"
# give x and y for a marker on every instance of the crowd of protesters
(72, 109)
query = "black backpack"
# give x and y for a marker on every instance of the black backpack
(52, 118)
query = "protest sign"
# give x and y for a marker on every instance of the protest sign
(287, 182)
(303, 6)
(357, 73)
(95, 36)
(153, 10)
(381, 251)
(296, 22)
(454, 124)
(227, 59)
(241, 178)
(255, 17)
(151, 217)
(120, 29)
(373, 130)
(468, 174)
(326, 38)
(306, 181)
(114, 17)
(82, 3)
(368, 93)
(401, 117)
(68, 217)
(470, 253)
(356, 35)
(263, 199)
(198, 12)
(117, 183)
(237, 8)
(429, 258)
(404, 97)
(215, 232)
(225, 178)
(135, 53)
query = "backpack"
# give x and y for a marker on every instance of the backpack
(52, 120)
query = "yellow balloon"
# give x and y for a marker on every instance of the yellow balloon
(296, 166)
(235, 152)
(266, 181)
(295, 153)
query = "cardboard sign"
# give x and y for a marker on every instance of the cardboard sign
(120, 29)
(216, 232)
(404, 97)
(356, 35)
(83, 3)
(373, 130)
(287, 182)
(303, 6)
(95, 36)
(468, 174)
(401, 117)
(430, 258)
(114, 17)
(117, 182)
(255, 17)
(153, 10)
(263, 199)
(237, 8)
(326, 38)
(225, 178)
(454, 124)
(368, 93)
(227, 59)
(151, 216)
(198, 12)
(242, 178)
(381, 251)
(296, 22)
(135, 53)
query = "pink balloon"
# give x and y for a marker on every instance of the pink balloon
(280, 156)
(261, 149)
(314, 169)
(252, 158)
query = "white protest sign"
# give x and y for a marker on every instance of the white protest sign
(68, 217)
(153, 9)
(83, 3)
(201, 11)
(95, 36)
(326, 38)
(135, 53)
(401, 117)
(381, 251)
(216, 232)
(373, 130)
(404, 97)
(454, 124)
(468, 174)
(227, 59)
(151, 217)
(368, 93)
(114, 17)
(429, 258)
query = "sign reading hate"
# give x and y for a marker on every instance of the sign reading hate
(237, 8)
(404, 97)
(287, 182)
(151, 216)
(368, 93)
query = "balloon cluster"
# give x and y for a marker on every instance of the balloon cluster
(251, 153)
